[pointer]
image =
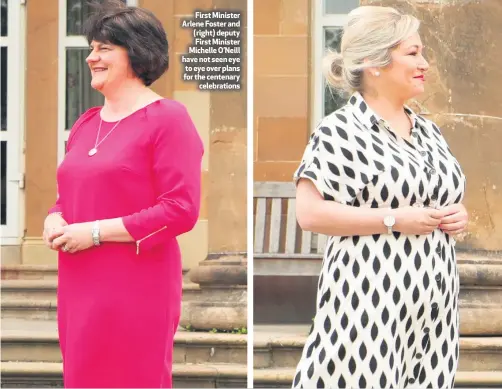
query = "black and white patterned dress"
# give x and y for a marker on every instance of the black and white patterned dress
(387, 305)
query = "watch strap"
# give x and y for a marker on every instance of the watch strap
(96, 238)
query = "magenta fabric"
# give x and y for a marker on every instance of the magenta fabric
(119, 304)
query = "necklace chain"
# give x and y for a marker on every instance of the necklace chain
(94, 150)
(96, 144)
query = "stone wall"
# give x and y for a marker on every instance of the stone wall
(220, 119)
(281, 86)
(227, 189)
(463, 42)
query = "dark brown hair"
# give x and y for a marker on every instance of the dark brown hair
(135, 29)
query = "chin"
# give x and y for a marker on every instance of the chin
(98, 85)
(415, 92)
(419, 91)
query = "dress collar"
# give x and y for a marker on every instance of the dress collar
(370, 118)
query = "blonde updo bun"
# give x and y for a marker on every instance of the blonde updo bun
(333, 68)
(371, 33)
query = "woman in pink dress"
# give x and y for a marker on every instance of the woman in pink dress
(128, 186)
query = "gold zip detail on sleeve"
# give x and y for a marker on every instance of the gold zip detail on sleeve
(146, 237)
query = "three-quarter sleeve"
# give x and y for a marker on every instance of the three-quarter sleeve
(177, 151)
(328, 161)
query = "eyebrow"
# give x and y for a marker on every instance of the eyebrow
(416, 46)
(100, 44)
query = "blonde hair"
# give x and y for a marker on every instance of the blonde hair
(371, 33)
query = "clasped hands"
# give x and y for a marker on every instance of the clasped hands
(59, 235)
(451, 219)
(456, 220)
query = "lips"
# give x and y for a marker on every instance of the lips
(99, 69)
(419, 78)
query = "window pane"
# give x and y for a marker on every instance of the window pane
(3, 87)
(3, 17)
(3, 184)
(77, 12)
(80, 96)
(340, 6)
(333, 98)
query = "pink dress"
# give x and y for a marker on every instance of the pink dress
(119, 304)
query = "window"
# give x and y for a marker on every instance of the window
(339, 7)
(4, 61)
(330, 16)
(75, 92)
(11, 123)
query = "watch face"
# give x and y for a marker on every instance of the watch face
(389, 221)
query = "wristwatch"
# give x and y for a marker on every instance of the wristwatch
(389, 222)
(95, 233)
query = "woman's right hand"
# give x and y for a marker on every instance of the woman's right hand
(417, 221)
(53, 228)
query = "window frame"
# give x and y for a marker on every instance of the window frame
(320, 23)
(12, 231)
(67, 42)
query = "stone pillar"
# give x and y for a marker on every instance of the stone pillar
(193, 245)
(222, 302)
(41, 121)
(222, 276)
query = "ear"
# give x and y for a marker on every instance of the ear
(371, 71)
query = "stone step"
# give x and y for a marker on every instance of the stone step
(45, 374)
(29, 309)
(26, 289)
(283, 378)
(189, 347)
(290, 297)
(46, 309)
(276, 350)
(45, 290)
(29, 272)
(476, 354)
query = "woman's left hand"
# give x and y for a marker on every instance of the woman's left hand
(76, 237)
(456, 221)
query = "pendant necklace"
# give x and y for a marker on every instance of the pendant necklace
(94, 150)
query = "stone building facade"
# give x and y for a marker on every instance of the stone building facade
(462, 96)
(46, 87)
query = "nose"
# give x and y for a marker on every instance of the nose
(92, 57)
(424, 65)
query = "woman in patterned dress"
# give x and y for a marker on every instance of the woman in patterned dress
(382, 183)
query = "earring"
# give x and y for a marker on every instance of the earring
(377, 74)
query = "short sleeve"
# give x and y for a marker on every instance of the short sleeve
(328, 161)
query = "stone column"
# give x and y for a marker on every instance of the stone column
(222, 302)
(41, 126)
(222, 276)
(193, 245)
